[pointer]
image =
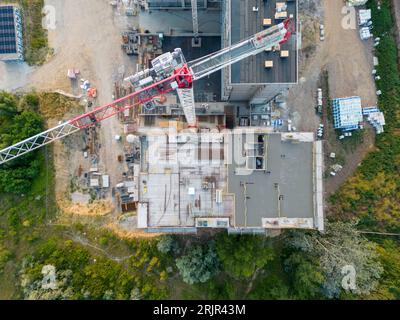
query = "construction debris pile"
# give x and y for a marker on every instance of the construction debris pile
(142, 43)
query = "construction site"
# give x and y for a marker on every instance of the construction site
(204, 148)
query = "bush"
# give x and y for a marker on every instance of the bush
(242, 255)
(17, 175)
(168, 244)
(199, 265)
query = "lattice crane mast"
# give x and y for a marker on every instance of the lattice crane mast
(169, 72)
(195, 40)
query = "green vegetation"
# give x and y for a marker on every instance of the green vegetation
(81, 275)
(305, 276)
(295, 265)
(200, 264)
(35, 37)
(372, 193)
(389, 287)
(55, 106)
(341, 246)
(18, 121)
(241, 257)
(168, 244)
(27, 190)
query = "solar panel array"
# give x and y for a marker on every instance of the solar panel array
(7, 31)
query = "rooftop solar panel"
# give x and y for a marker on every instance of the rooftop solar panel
(7, 30)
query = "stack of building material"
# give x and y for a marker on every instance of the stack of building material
(347, 113)
(268, 64)
(375, 117)
(355, 3)
(365, 33)
(364, 16)
(284, 53)
(281, 12)
(267, 22)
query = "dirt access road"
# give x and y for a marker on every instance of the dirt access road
(349, 62)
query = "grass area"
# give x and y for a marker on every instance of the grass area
(23, 222)
(35, 37)
(327, 101)
(55, 106)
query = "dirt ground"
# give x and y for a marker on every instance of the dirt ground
(349, 62)
(90, 43)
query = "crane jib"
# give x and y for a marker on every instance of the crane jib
(161, 80)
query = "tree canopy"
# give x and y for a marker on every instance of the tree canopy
(242, 255)
(340, 247)
(200, 264)
(16, 176)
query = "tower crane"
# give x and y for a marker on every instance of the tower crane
(169, 72)
(195, 40)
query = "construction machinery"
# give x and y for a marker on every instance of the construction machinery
(169, 72)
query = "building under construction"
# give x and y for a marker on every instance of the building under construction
(192, 158)
(267, 73)
(245, 180)
(252, 178)
(257, 77)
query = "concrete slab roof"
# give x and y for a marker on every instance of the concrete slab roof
(284, 189)
(244, 22)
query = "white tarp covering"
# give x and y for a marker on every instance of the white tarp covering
(364, 16)
(106, 181)
(142, 215)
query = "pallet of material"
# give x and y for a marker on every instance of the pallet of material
(284, 53)
(267, 22)
(268, 64)
(280, 15)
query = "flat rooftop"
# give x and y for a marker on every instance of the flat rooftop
(175, 4)
(247, 179)
(10, 24)
(206, 89)
(283, 184)
(244, 22)
(178, 180)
